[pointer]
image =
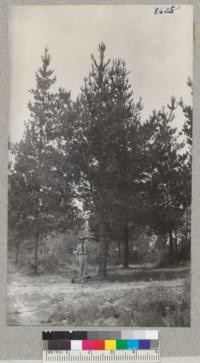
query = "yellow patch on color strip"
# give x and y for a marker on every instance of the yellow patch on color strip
(110, 344)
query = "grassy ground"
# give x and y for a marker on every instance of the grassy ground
(133, 297)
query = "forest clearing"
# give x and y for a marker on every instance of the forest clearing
(134, 297)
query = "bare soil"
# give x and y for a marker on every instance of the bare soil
(132, 297)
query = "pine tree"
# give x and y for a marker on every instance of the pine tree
(166, 184)
(124, 153)
(188, 112)
(93, 113)
(37, 175)
(106, 137)
(19, 221)
(187, 169)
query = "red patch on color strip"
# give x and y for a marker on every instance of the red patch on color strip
(98, 345)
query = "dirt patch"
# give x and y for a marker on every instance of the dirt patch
(119, 301)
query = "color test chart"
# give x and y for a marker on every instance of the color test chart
(101, 346)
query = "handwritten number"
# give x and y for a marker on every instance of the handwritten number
(156, 11)
(170, 10)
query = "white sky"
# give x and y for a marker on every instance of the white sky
(156, 48)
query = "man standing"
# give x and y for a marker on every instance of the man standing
(83, 253)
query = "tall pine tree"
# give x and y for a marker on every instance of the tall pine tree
(106, 140)
(166, 184)
(37, 174)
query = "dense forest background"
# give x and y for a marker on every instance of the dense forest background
(94, 164)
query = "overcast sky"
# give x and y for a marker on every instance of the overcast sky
(156, 48)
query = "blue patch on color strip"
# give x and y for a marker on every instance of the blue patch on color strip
(133, 344)
(144, 344)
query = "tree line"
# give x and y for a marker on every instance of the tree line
(96, 152)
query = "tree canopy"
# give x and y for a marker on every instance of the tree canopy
(94, 160)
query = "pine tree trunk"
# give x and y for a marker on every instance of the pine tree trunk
(171, 246)
(176, 245)
(162, 245)
(17, 253)
(126, 246)
(125, 201)
(103, 253)
(119, 251)
(36, 253)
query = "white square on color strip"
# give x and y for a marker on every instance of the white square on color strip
(151, 334)
(76, 344)
(127, 334)
(139, 334)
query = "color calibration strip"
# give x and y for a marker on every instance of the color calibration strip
(111, 344)
(101, 346)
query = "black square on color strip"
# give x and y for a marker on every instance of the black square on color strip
(59, 335)
(76, 335)
(64, 345)
(59, 345)
(47, 335)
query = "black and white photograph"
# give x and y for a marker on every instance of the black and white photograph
(100, 165)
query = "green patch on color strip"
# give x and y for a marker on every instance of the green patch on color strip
(121, 344)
